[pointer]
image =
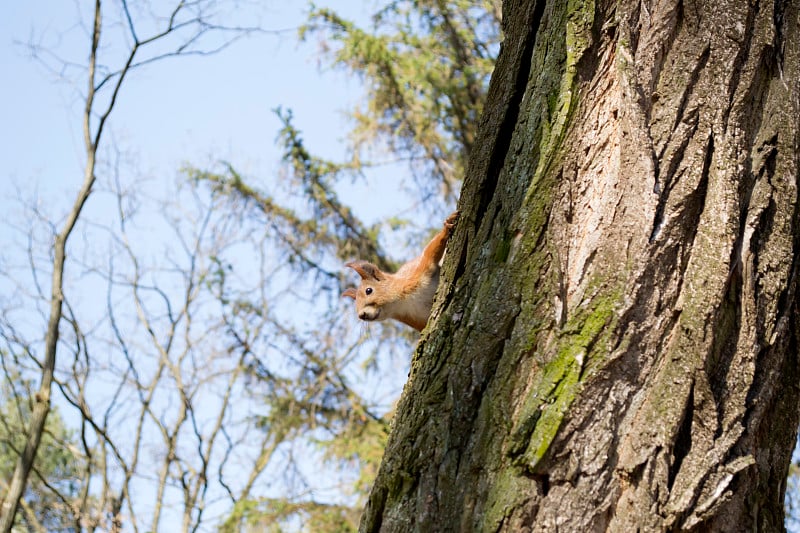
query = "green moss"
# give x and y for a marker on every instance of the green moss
(563, 100)
(583, 337)
(502, 250)
(582, 346)
(536, 157)
(497, 508)
(580, 16)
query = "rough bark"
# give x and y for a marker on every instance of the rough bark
(615, 344)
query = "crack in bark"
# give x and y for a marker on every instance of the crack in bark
(516, 91)
(741, 60)
(663, 34)
(682, 443)
(688, 92)
(779, 41)
(672, 177)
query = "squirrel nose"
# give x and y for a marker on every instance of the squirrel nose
(362, 315)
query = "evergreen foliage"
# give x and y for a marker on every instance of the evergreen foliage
(52, 491)
(425, 68)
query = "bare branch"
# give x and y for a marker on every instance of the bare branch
(94, 124)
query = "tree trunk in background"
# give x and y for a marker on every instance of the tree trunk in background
(615, 345)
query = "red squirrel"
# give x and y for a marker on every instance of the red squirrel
(406, 295)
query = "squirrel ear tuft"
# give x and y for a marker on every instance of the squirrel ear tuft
(366, 270)
(350, 293)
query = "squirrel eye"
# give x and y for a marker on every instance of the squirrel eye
(368, 291)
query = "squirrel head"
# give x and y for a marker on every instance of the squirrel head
(371, 294)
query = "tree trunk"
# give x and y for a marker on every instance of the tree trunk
(614, 347)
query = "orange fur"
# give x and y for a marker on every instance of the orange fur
(406, 295)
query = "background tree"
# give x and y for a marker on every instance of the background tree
(425, 66)
(149, 35)
(51, 493)
(616, 345)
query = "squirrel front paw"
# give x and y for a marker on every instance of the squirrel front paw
(450, 223)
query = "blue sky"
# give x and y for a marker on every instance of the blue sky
(191, 109)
